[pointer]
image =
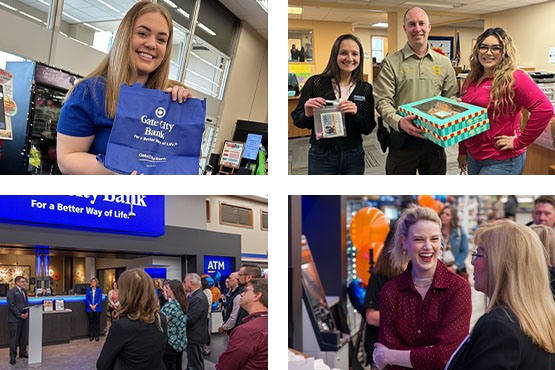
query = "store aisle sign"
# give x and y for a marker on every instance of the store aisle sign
(221, 264)
(128, 214)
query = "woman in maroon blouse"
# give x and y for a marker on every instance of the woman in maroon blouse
(425, 311)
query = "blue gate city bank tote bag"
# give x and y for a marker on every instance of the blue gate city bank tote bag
(153, 135)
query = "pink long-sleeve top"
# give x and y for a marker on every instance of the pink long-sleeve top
(527, 95)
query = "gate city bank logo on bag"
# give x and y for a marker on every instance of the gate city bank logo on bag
(151, 122)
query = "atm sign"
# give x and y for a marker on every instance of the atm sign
(221, 264)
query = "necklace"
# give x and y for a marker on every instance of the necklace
(422, 282)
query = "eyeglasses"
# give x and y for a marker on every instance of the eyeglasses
(475, 256)
(495, 49)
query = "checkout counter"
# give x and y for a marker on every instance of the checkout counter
(58, 326)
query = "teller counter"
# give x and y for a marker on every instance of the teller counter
(58, 326)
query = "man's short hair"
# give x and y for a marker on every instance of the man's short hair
(194, 278)
(251, 269)
(17, 278)
(414, 7)
(545, 199)
(260, 286)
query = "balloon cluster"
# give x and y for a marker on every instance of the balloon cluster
(436, 203)
(214, 280)
(369, 228)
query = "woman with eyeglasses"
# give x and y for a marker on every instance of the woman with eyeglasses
(495, 83)
(424, 312)
(518, 329)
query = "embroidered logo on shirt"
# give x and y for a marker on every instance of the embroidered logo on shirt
(436, 70)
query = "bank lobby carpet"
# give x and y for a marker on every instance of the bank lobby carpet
(80, 354)
(374, 157)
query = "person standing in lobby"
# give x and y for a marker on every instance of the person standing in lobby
(18, 313)
(413, 73)
(94, 308)
(197, 328)
(342, 82)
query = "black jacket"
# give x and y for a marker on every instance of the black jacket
(17, 304)
(197, 325)
(134, 345)
(356, 125)
(497, 342)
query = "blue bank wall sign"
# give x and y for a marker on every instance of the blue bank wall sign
(130, 214)
(221, 264)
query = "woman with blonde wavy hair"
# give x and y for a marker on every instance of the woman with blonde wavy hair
(495, 83)
(137, 339)
(547, 237)
(424, 312)
(518, 329)
(140, 53)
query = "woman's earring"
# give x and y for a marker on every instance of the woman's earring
(404, 251)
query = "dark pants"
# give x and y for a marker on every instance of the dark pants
(94, 324)
(194, 356)
(18, 337)
(415, 155)
(209, 334)
(328, 162)
(172, 358)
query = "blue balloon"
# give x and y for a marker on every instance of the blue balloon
(441, 198)
(357, 293)
(217, 276)
(215, 306)
(210, 281)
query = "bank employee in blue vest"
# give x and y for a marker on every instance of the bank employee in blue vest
(140, 53)
(94, 309)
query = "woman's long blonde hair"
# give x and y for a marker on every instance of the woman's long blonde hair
(502, 92)
(118, 66)
(410, 216)
(517, 278)
(137, 297)
(547, 237)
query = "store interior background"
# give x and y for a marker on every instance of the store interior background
(227, 64)
(529, 22)
(325, 222)
(76, 266)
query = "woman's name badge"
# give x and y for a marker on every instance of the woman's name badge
(359, 98)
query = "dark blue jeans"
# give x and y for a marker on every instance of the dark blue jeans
(328, 162)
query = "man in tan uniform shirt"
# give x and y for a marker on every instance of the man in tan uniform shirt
(413, 73)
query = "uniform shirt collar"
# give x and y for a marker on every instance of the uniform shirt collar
(441, 277)
(408, 52)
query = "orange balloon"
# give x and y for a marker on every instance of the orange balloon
(215, 293)
(426, 201)
(438, 206)
(363, 260)
(367, 226)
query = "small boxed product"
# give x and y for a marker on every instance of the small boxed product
(446, 121)
(329, 122)
(59, 304)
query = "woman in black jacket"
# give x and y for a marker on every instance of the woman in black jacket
(137, 339)
(341, 80)
(517, 331)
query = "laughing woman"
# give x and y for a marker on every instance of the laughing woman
(496, 84)
(341, 80)
(517, 331)
(140, 54)
(425, 311)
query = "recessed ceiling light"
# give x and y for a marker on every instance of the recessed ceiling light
(380, 25)
(294, 10)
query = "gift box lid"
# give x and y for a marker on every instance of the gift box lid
(441, 112)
